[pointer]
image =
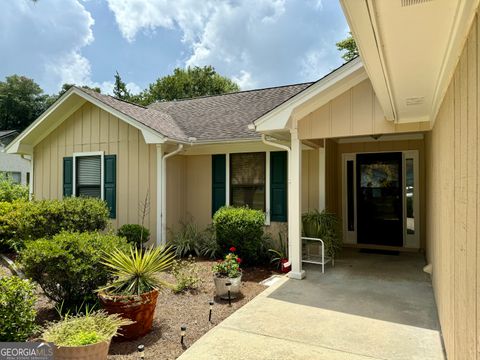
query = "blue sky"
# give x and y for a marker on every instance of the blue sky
(258, 43)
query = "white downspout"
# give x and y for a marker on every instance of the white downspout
(274, 144)
(163, 238)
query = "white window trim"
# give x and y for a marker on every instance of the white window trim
(267, 183)
(102, 170)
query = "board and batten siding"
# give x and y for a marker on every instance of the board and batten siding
(93, 129)
(453, 206)
(356, 112)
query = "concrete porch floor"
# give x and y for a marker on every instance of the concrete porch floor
(369, 306)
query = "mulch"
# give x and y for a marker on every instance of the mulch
(190, 309)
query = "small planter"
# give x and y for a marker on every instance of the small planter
(94, 351)
(221, 287)
(285, 266)
(139, 309)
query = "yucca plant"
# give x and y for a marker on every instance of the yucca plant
(136, 271)
(279, 253)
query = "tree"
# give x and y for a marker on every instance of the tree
(187, 83)
(21, 101)
(120, 90)
(65, 87)
(350, 46)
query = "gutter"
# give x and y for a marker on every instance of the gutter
(163, 220)
(274, 144)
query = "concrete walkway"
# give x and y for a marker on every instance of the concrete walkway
(369, 306)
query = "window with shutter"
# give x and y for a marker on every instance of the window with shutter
(88, 176)
(247, 180)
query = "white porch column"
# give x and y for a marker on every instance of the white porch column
(295, 207)
(160, 196)
(321, 178)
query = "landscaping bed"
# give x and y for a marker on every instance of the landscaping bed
(190, 309)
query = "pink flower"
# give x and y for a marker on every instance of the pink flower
(233, 249)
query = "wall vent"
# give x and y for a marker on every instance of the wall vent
(413, 2)
(415, 101)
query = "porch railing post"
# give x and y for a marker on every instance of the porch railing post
(295, 207)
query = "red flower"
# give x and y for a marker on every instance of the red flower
(233, 249)
(239, 260)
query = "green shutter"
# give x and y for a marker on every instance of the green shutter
(110, 183)
(278, 186)
(67, 176)
(219, 179)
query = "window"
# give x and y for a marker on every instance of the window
(247, 180)
(88, 177)
(15, 176)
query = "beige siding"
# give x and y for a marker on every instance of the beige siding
(452, 169)
(331, 177)
(310, 181)
(92, 129)
(356, 112)
(199, 188)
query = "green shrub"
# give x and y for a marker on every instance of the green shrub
(241, 228)
(187, 240)
(209, 246)
(30, 220)
(68, 267)
(325, 226)
(17, 312)
(186, 273)
(10, 191)
(135, 234)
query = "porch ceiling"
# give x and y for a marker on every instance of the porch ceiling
(410, 49)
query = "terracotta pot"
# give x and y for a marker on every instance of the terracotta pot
(97, 351)
(221, 287)
(139, 309)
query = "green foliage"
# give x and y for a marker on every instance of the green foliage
(120, 90)
(21, 102)
(136, 271)
(242, 228)
(349, 46)
(209, 246)
(17, 309)
(325, 226)
(280, 252)
(135, 234)
(65, 87)
(230, 266)
(187, 240)
(10, 191)
(30, 220)
(188, 83)
(91, 328)
(68, 267)
(186, 273)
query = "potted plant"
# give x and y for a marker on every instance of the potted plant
(280, 256)
(226, 272)
(133, 295)
(83, 336)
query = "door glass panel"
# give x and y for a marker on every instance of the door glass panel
(410, 193)
(350, 197)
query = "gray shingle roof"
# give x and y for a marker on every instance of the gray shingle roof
(209, 118)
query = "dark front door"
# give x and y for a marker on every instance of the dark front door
(379, 199)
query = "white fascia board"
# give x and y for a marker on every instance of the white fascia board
(151, 136)
(360, 17)
(278, 118)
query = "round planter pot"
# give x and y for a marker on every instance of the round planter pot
(95, 351)
(139, 309)
(221, 287)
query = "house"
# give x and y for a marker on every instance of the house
(389, 141)
(15, 167)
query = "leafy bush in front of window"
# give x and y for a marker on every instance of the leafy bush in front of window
(30, 220)
(17, 308)
(11, 191)
(69, 266)
(135, 234)
(242, 228)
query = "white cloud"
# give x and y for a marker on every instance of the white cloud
(256, 42)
